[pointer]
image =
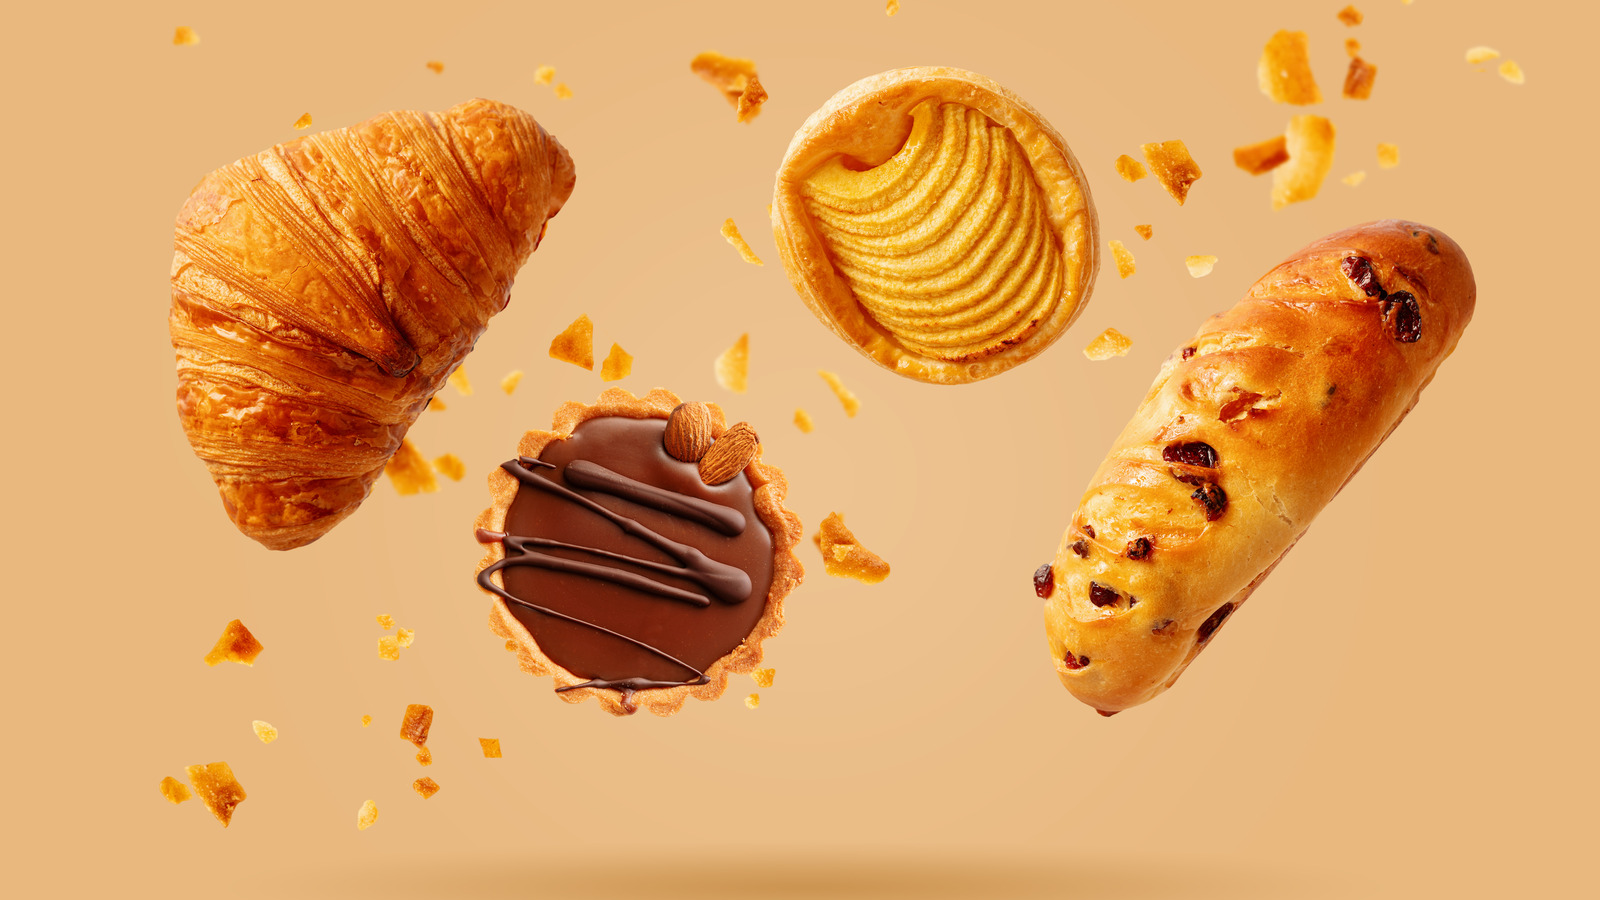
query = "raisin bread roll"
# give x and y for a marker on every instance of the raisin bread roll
(1249, 430)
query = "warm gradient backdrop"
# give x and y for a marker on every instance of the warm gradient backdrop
(1406, 708)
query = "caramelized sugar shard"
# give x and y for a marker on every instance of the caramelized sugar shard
(733, 366)
(366, 816)
(1358, 80)
(416, 722)
(1285, 70)
(435, 66)
(174, 790)
(752, 701)
(424, 756)
(802, 421)
(576, 344)
(1129, 168)
(425, 786)
(510, 382)
(1355, 178)
(618, 364)
(1479, 55)
(729, 75)
(218, 789)
(1144, 231)
(1200, 266)
(409, 472)
(1262, 157)
(1350, 16)
(185, 36)
(1124, 259)
(264, 731)
(544, 75)
(731, 232)
(389, 648)
(491, 747)
(451, 467)
(1173, 167)
(847, 398)
(404, 637)
(302, 123)
(1388, 155)
(1310, 141)
(1512, 72)
(237, 644)
(749, 104)
(563, 92)
(385, 621)
(764, 677)
(1111, 342)
(844, 557)
(458, 380)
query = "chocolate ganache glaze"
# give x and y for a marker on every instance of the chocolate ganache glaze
(625, 568)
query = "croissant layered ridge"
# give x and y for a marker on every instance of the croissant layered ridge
(322, 291)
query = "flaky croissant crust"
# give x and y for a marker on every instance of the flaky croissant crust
(324, 289)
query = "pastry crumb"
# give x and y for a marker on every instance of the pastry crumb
(563, 92)
(844, 557)
(576, 344)
(802, 421)
(365, 721)
(424, 756)
(750, 101)
(1310, 143)
(891, 7)
(847, 398)
(435, 66)
(544, 75)
(731, 232)
(389, 648)
(1358, 80)
(752, 701)
(735, 78)
(1144, 231)
(185, 36)
(491, 747)
(264, 731)
(1124, 258)
(425, 786)
(510, 382)
(764, 677)
(733, 366)
(415, 724)
(1512, 72)
(1285, 70)
(236, 644)
(366, 816)
(1350, 16)
(174, 790)
(404, 637)
(385, 621)
(1173, 167)
(1388, 155)
(1478, 55)
(1129, 168)
(1352, 46)
(1262, 156)
(1355, 178)
(1111, 342)
(218, 789)
(409, 472)
(450, 466)
(302, 123)
(617, 365)
(459, 380)
(1200, 266)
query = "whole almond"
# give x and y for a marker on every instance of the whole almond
(688, 435)
(727, 457)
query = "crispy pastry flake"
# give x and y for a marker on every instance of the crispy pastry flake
(1355, 178)
(416, 722)
(1129, 168)
(435, 404)
(385, 621)
(389, 648)
(563, 92)
(303, 122)
(576, 344)
(1479, 55)
(735, 78)
(733, 366)
(1350, 16)
(544, 75)
(425, 786)
(1111, 342)
(424, 756)
(1388, 155)
(236, 644)
(185, 37)
(366, 816)
(174, 790)
(1352, 46)
(618, 364)
(218, 789)
(1512, 72)
(1200, 266)
(844, 557)
(847, 398)
(435, 66)
(1124, 259)
(458, 379)
(365, 721)
(752, 701)
(510, 382)
(491, 747)
(409, 472)
(1144, 231)
(802, 421)
(264, 731)
(1310, 142)
(1173, 167)
(450, 466)
(764, 677)
(404, 637)
(1285, 70)
(1263, 156)
(1358, 80)
(731, 232)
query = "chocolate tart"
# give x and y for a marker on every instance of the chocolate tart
(619, 572)
(937, 223)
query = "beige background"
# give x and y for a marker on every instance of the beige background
(1405, 709)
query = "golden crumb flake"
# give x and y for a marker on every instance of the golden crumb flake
(844, 557)
(459, 380)
(185, 37)
(1124, 259)
(409, 472)
(424, 756)
(764, 677)
(802, 421)
(435, 404)
(236, 644)
(174, 790)
(752, 701)
(750, 101)
(491, 747)
(218, 789)
(367, 815)
(731, 232)
(563, 92)
(576, 344)
(264, 731)
(735, 78)
(1130, 169)
(1310, 142)
(847, 398)
(510, 382)
(1388, 155)
(1200, 266)
(1144, 231)
(892, 7)
(1173, 167)
(1355, 178)
(435, 66)
(404, 637)
(733, 366)
(389, 647)
(1512, 72)
(1358, 80)
(416, 722)
(544, 75)
(385, 621)
(302, 123)
(1111, 342)
(1285, 70)
(1352, 46)
(618, 364)
(425, 786)
(365, 721)
(1262, 157)
(1350, 16)
(450, 466)
(1478, 55)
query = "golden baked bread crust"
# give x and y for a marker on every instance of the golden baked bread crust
(1276, 403)
(869, 122)
(770, 488)
(324, 289)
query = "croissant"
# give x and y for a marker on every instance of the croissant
(324, 289)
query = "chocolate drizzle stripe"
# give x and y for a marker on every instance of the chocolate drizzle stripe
(527, 557)
(585, 474)
(726, 583)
